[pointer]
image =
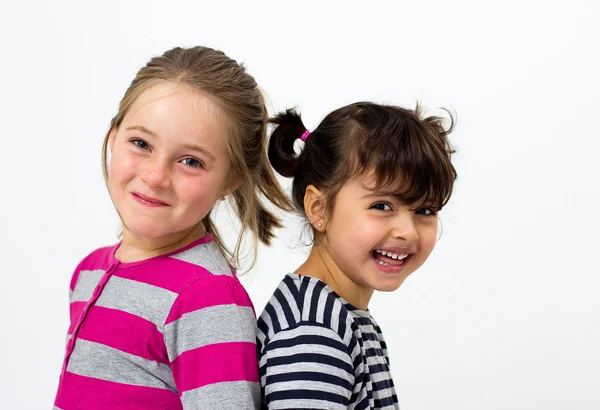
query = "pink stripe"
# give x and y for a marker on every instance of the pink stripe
(75, 310)
(213, 290)
(167, 273)
(81, 392)
(124, 331)
(223, 362)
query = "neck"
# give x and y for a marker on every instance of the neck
(134, 248)
(321, 265)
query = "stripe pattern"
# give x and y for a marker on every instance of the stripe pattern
(316, 351)
(173, 332)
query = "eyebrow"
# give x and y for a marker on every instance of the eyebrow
(189, 147)
(378, 193)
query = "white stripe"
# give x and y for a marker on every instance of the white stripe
(313, 385)
(305, 404)
(321, 305)
(310, 367)
(307, 299)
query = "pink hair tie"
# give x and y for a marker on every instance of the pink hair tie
(305, 135)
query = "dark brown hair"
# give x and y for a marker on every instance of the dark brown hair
(409, 155)
(235, 91)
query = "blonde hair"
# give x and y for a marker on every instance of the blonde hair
(227, 84)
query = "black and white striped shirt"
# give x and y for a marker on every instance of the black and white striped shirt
(317, 351)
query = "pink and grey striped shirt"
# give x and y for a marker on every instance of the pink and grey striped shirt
(177, 331)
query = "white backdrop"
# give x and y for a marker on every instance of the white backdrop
(504, 315)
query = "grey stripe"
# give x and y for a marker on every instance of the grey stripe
(147, 301)
(307, 299)
(215, 324)
(102, 362)
(86, 283)
(335, 318)
(56, 408)
(208, 256)
(283, 323)
(321, 305)
(291, 302)
(306, 404)
(240, 395)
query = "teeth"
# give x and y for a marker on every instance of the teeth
(392, 255)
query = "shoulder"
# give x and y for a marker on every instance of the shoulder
(305, 304)
(206, 255)
(94, 264)
(214, 295)
(195, 268)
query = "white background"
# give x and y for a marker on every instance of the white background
(504, 315)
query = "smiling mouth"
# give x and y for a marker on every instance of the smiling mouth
(387, 258)
(148, 201)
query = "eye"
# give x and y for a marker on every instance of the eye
(192, 162)
(140, 144)
(381, 206)
(426, 212)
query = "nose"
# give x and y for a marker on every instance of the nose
(405, 228)
(156, 175)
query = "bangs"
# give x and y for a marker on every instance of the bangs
(409, 159)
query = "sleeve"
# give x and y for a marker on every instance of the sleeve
(210, 336)
(307, 366)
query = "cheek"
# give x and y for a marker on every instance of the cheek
(121, 167)
(427, 240)
(194, 191)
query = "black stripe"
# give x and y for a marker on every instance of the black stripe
(306, 395)
(308, 340)
(378, 368)
(273, 316)
(388, 401)
(310, 358)
(342, 324)
(314, 302)
(328, 310)
(382, 385)
(310, 376)
(291, 285)
(287, 311)
(303, 286)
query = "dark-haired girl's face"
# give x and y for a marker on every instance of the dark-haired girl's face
(376, 241)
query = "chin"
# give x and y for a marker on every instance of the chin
(148, 231)
(389, 287)
(389, 284)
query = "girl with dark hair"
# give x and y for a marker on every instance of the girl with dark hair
(370, 181)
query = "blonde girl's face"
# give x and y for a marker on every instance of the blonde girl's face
(168, 163)
(375, 240)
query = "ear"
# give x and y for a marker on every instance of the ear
(231, 185)
(314, 207)
(111, 138)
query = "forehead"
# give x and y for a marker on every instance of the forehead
(176, 111)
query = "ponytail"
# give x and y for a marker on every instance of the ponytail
(289, 127)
